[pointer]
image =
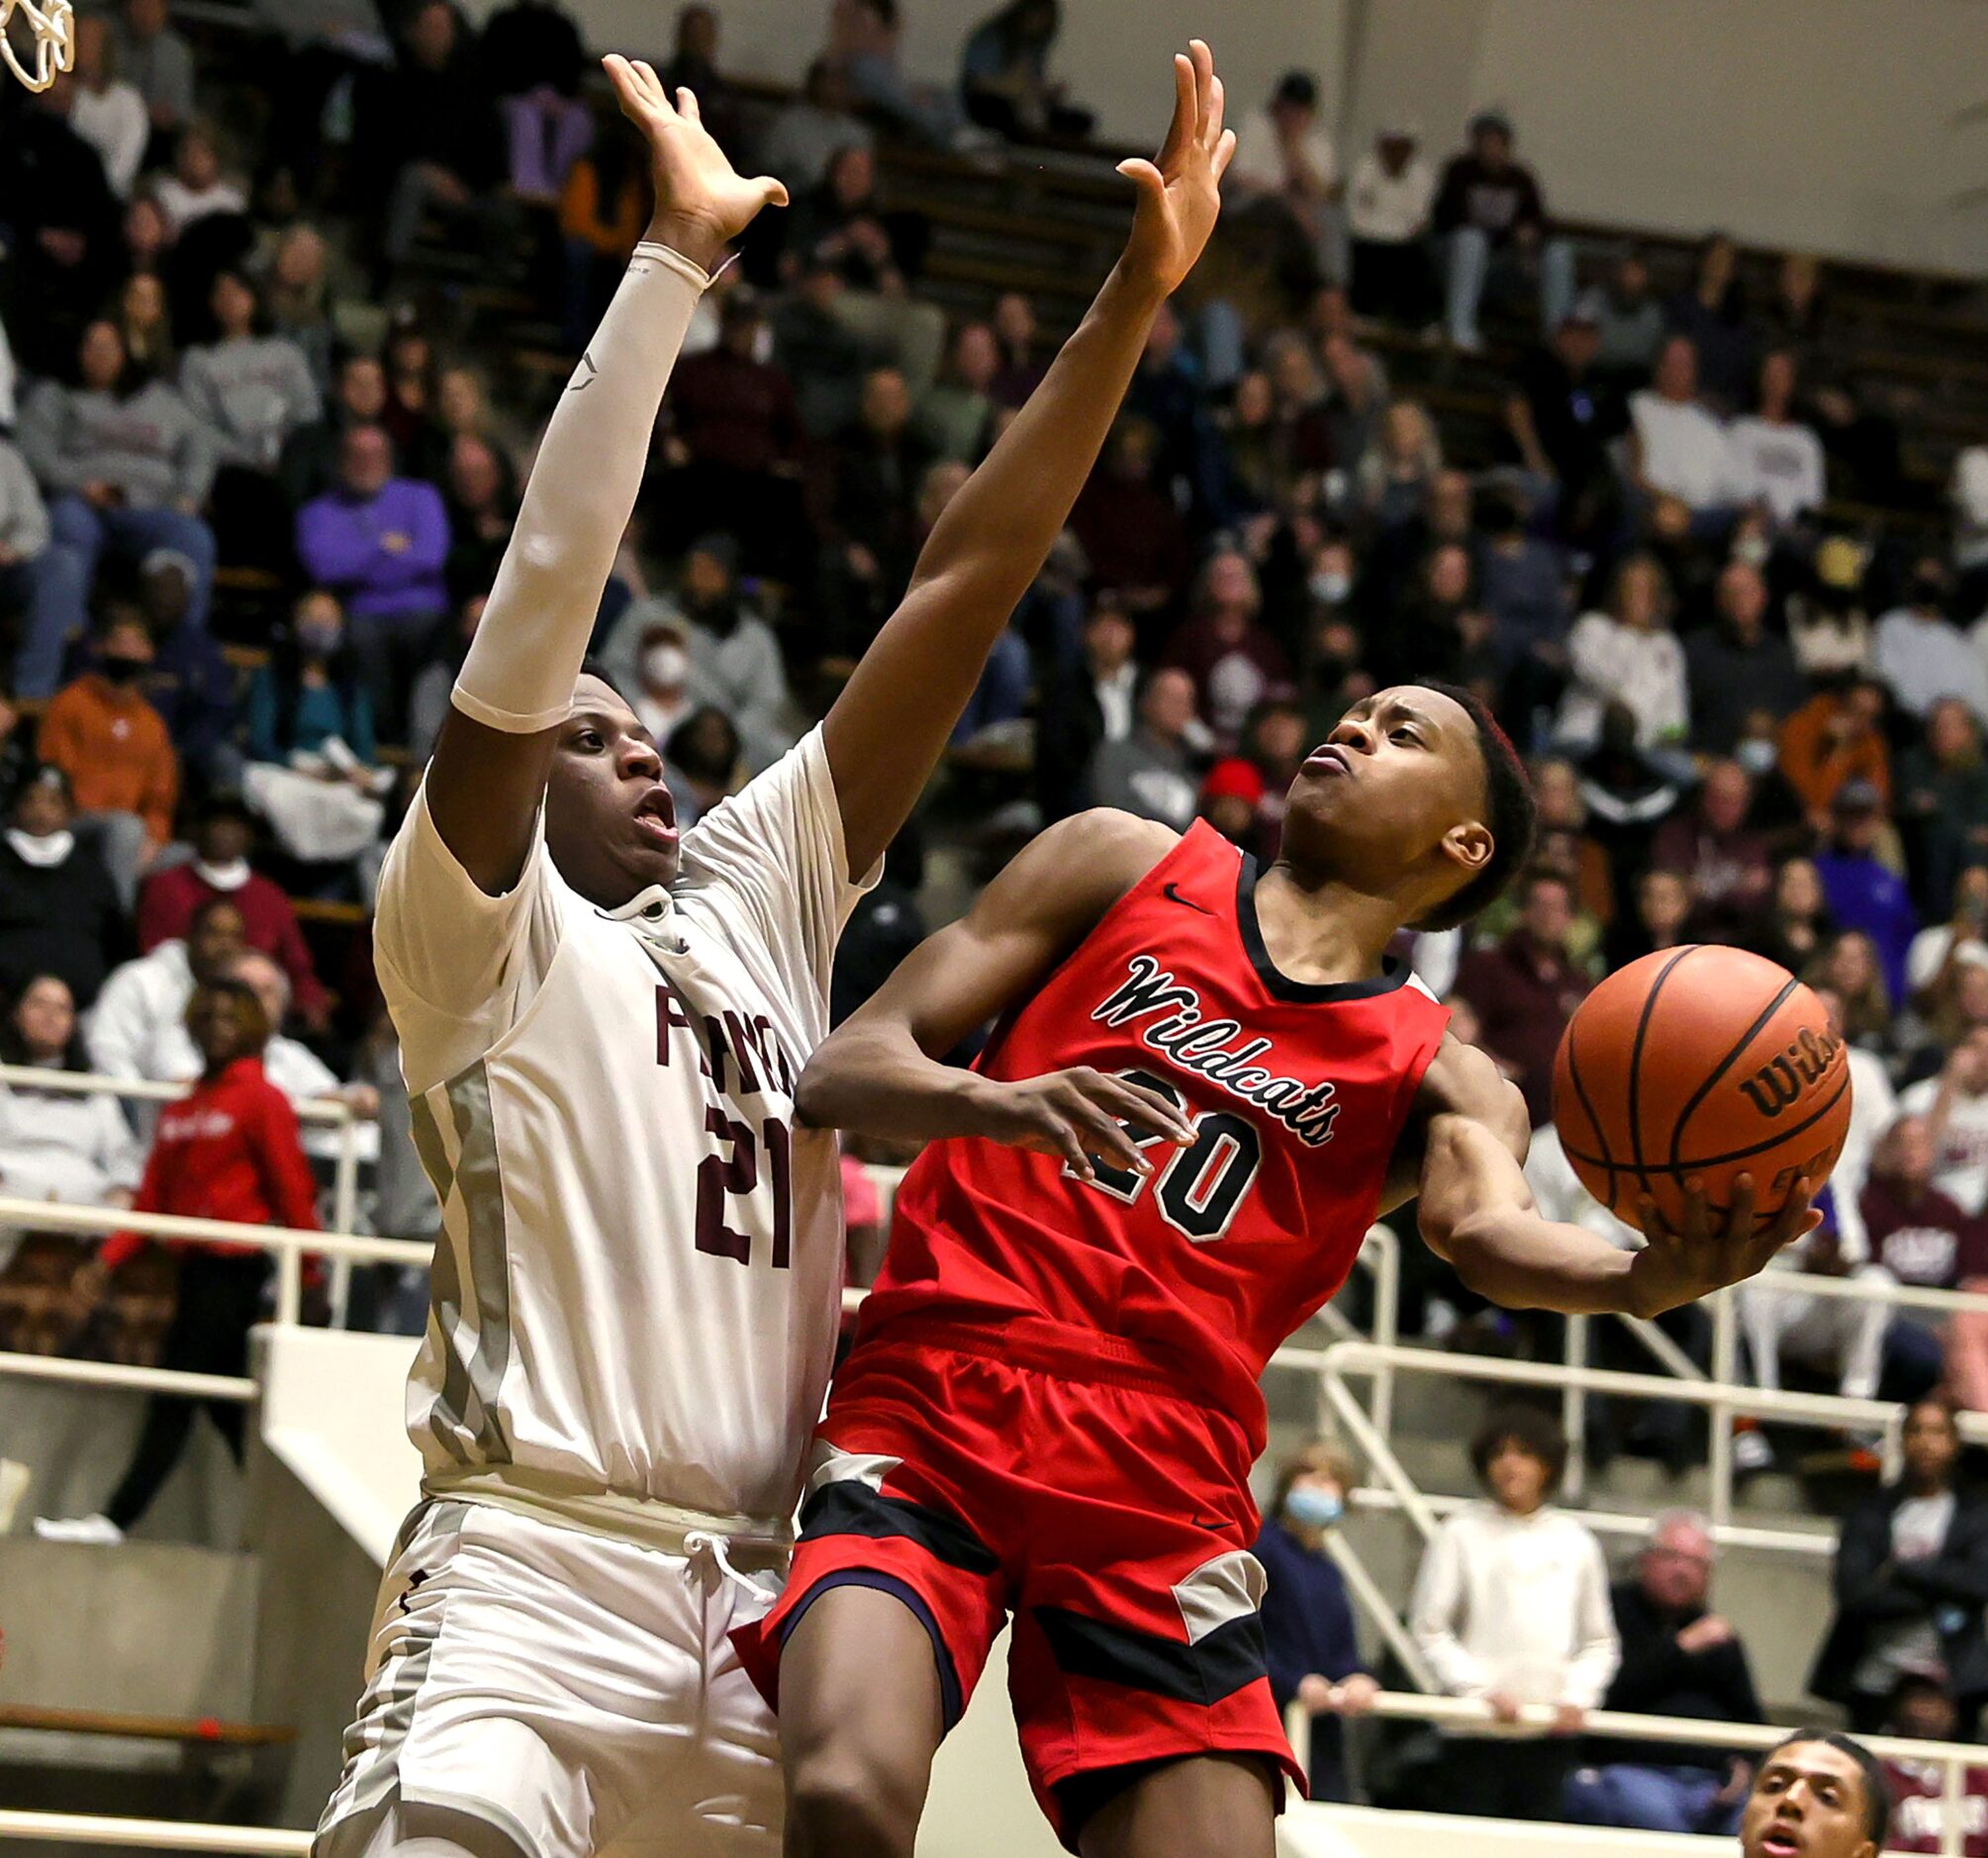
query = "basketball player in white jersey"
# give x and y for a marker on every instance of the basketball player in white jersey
(637, 1285)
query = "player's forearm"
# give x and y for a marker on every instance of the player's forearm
(872, 1078)
(521, 665)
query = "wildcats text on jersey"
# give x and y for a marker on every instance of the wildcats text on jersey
(1201, 1045)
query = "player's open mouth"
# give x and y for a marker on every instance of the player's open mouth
(656, 817)
(1780, 1842)
(1329, 760)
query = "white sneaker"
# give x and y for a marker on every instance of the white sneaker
(98, 1531)
(15, 1477)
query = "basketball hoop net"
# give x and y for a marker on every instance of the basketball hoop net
(52, 27)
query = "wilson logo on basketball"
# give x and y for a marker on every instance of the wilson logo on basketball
(1780, 1081)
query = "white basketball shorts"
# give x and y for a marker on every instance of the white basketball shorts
(567, 1690)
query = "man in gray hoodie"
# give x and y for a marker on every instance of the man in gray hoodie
(126, 466)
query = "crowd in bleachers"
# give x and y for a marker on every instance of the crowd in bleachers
(276, 322)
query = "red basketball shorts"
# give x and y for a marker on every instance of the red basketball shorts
(1087, 1498)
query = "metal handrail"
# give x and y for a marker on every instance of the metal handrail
(84, 1829)
(1954, 1759)
(329, 1111)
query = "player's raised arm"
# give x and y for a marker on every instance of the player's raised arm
(888, 728)
(495, 751)
(1477, 1211)
(881, 1070)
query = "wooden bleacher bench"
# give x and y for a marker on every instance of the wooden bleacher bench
(197, 1730)
(329, 910)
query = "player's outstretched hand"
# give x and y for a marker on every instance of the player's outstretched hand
(1078, 1114)
(1703, 1254)
(694, 184)
(1181, 192)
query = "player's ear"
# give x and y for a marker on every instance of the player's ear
(1469, 846)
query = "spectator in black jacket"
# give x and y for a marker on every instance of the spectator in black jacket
(1911, 1582)
(1678, 1659)
(1314, 1659)
(59, 908)
(1489, 216)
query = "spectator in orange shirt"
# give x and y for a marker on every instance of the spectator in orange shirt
(1838, 735)
(115, 749)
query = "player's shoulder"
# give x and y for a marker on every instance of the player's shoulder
(1116, 845)
(1465, 1080)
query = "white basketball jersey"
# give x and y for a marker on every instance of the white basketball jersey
(637, 1284)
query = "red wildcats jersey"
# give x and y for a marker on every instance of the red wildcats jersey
(1297, 1095)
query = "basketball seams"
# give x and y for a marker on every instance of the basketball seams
(1636, 1061)
(1737, 1154)
(1593, 1121)
(1725, 1065)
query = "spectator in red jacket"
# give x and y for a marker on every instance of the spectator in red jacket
(226, 1151)
(222, 838)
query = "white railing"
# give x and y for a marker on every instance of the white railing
(81, 1828)
(1954, 1759)
(327, 1112)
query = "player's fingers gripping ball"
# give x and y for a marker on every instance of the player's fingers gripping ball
(1701, 1064)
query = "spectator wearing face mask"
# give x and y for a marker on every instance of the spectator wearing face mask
(1314, 1657)
(662, 698)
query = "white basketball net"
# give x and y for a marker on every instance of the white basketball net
(50, 27)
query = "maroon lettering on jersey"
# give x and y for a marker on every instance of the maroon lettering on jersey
(1296, 1096)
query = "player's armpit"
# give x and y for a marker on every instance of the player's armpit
(1460, 1080)
(880, 1071)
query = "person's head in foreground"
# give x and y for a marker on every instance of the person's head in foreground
(1417, 797)
(1816, 1795)
(1519, 1456)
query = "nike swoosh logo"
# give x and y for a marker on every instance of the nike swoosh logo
(1172, 895)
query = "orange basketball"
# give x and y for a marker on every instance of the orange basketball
(1706, 1062)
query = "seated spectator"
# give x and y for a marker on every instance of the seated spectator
(1833, 741)
(429, 706)
(532, 59)
(807, 136)
(224, 834)
(1628, 321)
(1151, 770)
(956, 413)
(1355, 400)
(1491, 219)
(1089, 698)
(1400, 464)
(1943, 802)
(138, 1029)
(703, 763)
(312, 750)
(1849, 966)
(126, 465)
(1678, 1659)
(1628, 655)
(159, 62)
(228, 1151)
(734, 444)
(1314, 1657)
(251, 389)
(56, 1145)
(309, 462)
(1285, 167)
(60, 912)
(1015, 328)
(196, 187)
(693, 66)
(826, 359)
(293, 1068)
(1387, 203)
(1712, 314)
(431, 135)
(1728, 862)
(1911, 1575)
(1873, 1109)
(189, 681)
(63, 252)
(1955, 1107)
(1677, 446)
(297, 287)
(734, 659)
(1796, 925)
(863, 44)
(1736, 666)
(23, 533)
(1778, 459)
(1922, 655)
(114, 748)
(1511, 1607)
(414, 380)
(481, 509)
(1921, 1235)
(1659, 918)
(1921, 1708)
(1562, 422)
(380, 543)
(1525, 989)
(104, 111)
(143, 319)
(842, 222)
(1863, 890)
(1941, 950)
(1224, 647)
(661, 695)
(1004, 81)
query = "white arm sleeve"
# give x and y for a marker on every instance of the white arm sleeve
(519, 672)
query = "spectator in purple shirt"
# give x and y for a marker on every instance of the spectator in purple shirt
(380, 542)
(1862, 892)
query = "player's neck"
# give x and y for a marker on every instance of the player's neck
(1323, 933)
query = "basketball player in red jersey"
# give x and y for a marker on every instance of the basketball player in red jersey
(1204, 1085)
